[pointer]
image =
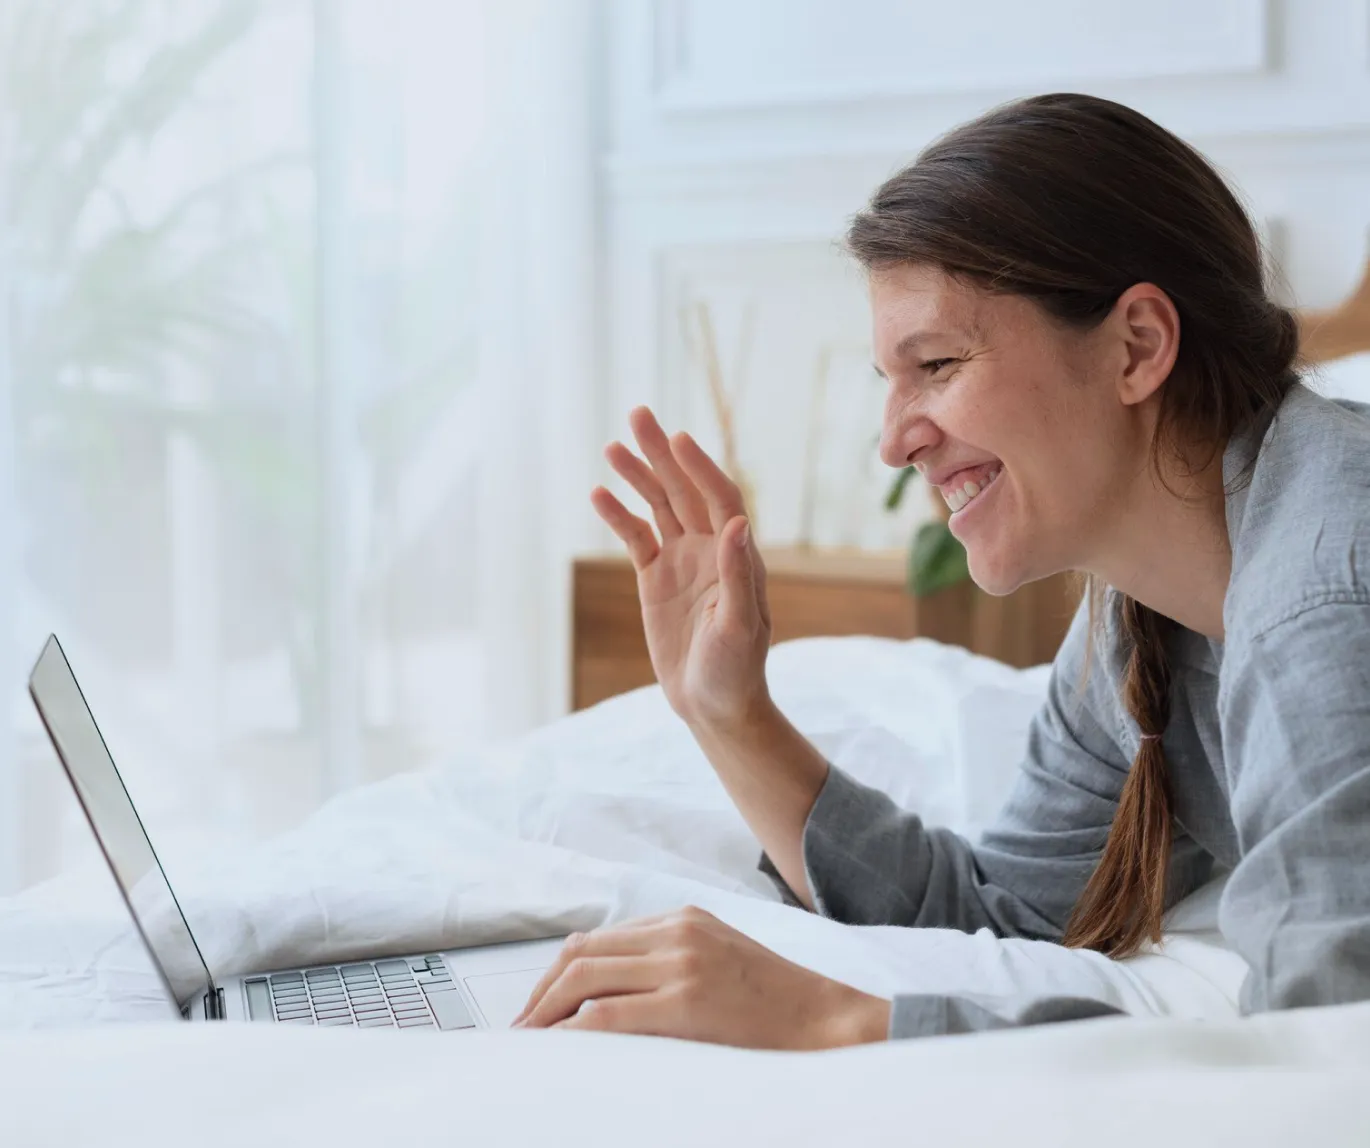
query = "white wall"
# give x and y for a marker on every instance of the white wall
(741, 134)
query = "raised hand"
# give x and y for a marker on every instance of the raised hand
(700, 577)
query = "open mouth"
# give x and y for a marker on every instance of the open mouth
(975, 483)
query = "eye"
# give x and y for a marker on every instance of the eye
(932, 366)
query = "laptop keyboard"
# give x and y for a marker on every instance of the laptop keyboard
(414, 993)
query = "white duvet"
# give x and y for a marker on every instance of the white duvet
(609, 815)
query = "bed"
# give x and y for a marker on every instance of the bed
(610, 814)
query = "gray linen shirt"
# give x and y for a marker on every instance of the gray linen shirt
(1268, 750)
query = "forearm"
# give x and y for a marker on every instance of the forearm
(774, 775)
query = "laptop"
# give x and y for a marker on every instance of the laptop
(451, 990)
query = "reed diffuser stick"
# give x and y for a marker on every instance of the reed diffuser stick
(808, 489)
(724, 405)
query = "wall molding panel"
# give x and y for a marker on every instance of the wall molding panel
(720, 56)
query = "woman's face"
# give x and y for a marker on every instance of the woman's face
(988, 390)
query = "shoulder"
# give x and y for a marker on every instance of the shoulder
(1301, 526)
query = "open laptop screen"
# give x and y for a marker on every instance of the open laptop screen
(117, 826)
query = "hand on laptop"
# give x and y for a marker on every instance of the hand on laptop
(690, 976)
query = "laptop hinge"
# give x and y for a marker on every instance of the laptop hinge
(214, 1004)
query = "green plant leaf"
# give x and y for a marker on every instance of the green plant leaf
(937, 560)
(896, 493)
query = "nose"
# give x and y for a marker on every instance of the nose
(905, 432)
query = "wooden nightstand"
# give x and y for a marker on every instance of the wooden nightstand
(816, 593)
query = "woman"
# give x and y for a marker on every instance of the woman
(1068, 308)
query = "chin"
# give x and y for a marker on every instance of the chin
(995, 576)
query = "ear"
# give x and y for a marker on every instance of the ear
(1148, 325)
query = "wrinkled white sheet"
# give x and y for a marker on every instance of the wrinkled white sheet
(602, 817)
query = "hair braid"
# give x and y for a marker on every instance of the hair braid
(1124, 902)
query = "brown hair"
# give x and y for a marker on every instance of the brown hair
(1069, 200)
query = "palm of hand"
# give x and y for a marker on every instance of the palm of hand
(679, 595)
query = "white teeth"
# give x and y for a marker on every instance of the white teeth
(959, 497)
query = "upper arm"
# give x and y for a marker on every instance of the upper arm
(1296, 733)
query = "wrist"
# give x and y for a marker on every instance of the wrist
(856, 1018)
(755, 716)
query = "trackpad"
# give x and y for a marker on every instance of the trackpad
(501, 996)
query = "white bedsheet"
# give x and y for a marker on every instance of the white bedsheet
(1293, 1080)
(609, 815)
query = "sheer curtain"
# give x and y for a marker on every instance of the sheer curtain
(283, 283)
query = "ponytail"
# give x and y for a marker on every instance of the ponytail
(1124, 902)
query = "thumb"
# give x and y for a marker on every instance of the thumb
(736, 575)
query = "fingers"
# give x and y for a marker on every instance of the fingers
(635, 534)
(641, 1014)
(590, 978)
(723, 499)
(622, 940)
(738, 605)
(641, 478)
(685, 498)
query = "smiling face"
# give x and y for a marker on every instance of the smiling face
(1025, 425)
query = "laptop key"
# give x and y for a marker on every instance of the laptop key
(451, 1011)
(286, 978)
(415, 1022)
(298, 1020)
(376, 1022)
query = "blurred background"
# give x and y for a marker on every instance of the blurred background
(317, 315)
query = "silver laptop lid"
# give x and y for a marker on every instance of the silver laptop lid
(117, 827)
